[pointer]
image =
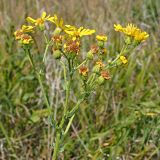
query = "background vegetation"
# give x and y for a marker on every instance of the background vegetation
(120, 121)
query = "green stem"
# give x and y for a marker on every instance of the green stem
(40, 82)
(39, 78)
(68, 85)
(72, 114)
(80, 64)
(91, 78)
(113, 63)
(47, 46)
(45, 52)
(65, 106)
(56, 148)
(69, 124)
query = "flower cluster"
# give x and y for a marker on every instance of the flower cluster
(66, 41)
(23, 36)
(132, 31)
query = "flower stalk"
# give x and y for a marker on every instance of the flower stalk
(27, 51)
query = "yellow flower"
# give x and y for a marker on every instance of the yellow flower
(26, 29)
(118, 27)
(123, 59)
(100, 64)
(83, 71)
(39, 21)
(77, 32)
(58, 22)
(141, 36)
(72, 47)
(130, 30)
(20, 32)
(101, 38)
(26, 39)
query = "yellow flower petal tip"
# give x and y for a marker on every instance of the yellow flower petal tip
(118, 27)
(78, 32)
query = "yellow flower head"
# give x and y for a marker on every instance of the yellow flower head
(123, 59)
(141, 36)
(77, 32)
(58, 22)
(26, 39)
(118, 27)
(83, 71)
(72, 46)
(27, 29)
(20, 32)
(101, 38)
(132, 31)
(100, 64)
(39, 21)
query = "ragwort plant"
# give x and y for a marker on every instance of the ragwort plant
(65, 44)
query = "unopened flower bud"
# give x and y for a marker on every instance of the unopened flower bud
(100, 80)
(42, 27)
(57, 54)
(90, 55)
(96, 69)
(57, 31)
(128, 40)
(101, 44)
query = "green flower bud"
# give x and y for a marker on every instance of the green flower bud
(57, 31)
(101, 44)
(59, 45)
(42, 27)
(57, 54)
(100, 80)
(90, 55)
(96, 69)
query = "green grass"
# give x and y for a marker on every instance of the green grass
(113, 122)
